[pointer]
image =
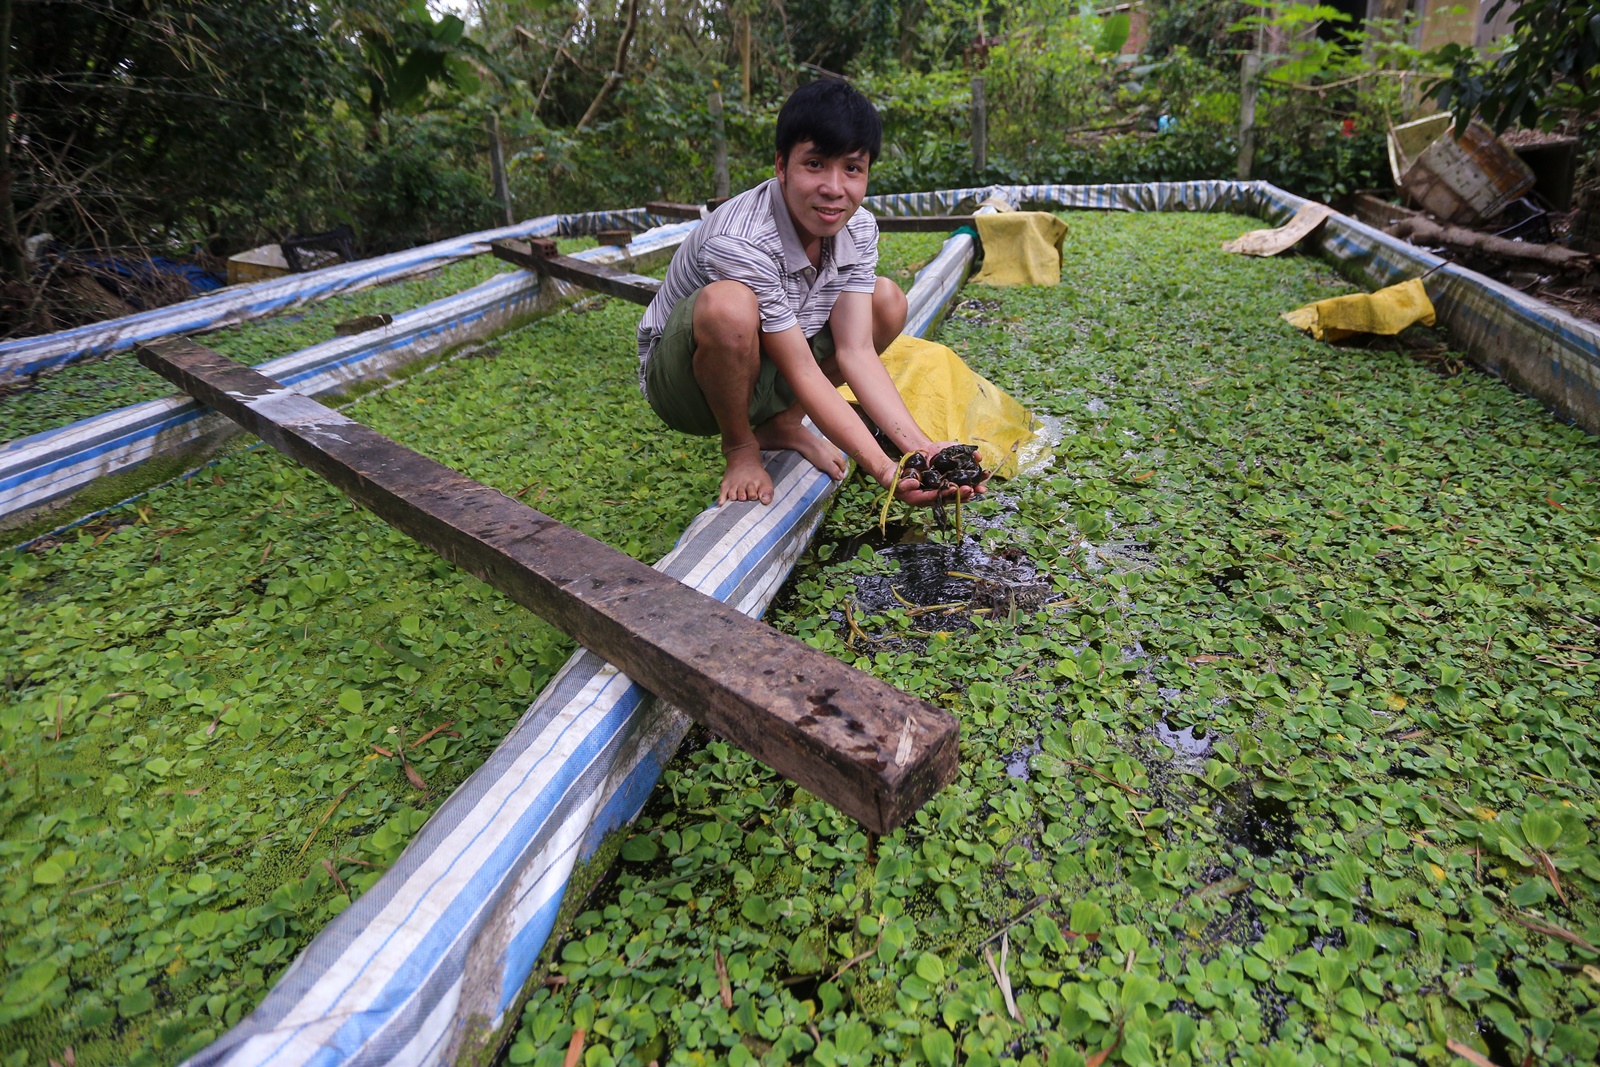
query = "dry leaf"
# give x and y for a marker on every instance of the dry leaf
(1550, 872)
(1100, 1057)
(1468, 1053)
(722, 982)
(902, 752)
(574, 1050)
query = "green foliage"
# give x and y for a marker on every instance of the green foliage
(1546, 67)
(404, 56)
(1335, 568)
(1325, 107)
(1207, 29)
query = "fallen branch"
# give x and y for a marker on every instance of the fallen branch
(1426, 231)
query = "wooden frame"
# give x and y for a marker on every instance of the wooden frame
(608, 280)
(875, 753)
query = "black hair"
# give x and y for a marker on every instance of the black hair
(832, 115)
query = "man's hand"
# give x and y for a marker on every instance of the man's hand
(910, 491)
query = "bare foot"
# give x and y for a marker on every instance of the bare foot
(787, 431)
(745, 477)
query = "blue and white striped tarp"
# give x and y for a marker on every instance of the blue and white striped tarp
(1537, 347)
(46, 466)
(438, 950)
(239, 303)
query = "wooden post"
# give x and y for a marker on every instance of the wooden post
(980, 130)
(719, 141)
(873, 752)
(744, 58)
(1249, 85)
(497, 166)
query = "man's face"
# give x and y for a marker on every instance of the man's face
(822, 192)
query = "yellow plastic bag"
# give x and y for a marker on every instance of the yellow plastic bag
(1020, 248)
(1387, 311)
(952, 403)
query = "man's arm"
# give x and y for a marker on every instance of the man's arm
(833, 415)
(851, 323)
(819, 399)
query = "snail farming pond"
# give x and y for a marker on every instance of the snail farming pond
(1276, 681)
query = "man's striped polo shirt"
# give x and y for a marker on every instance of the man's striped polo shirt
(752, 239)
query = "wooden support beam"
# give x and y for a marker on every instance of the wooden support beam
(875, 753)
(596, 276)
(922, 223)
(667, 209)
(614, 238)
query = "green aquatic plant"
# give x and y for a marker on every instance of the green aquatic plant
(225, 708)
(1277, 691)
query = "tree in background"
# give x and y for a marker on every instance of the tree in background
(1549, 68)
(130, 118)
(157, 124)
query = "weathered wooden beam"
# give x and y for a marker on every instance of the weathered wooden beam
(615, 238)
(667, 209)
(873, 752)
(597, 276)
(922, 223)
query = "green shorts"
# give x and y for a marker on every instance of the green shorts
(670, 386)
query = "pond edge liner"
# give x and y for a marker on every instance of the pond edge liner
(48, 466)
(23, 356)
(1535, 347)
(380, 984)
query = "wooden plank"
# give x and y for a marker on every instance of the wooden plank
(1378, 212)
(667, 209)
(922, 223)
(615, 238)
(875, 753)
(596, 276)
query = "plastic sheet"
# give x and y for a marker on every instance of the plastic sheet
(240, 303)
(1020, 248)
(952, 403)
(1387, 311)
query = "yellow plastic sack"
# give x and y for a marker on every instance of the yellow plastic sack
(1387, 311)
(1020, 248)
(952, 403)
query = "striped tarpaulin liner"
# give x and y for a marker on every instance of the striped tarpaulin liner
(240, 303)
(945, 202)
(1539, 348)
(942, 277)
(440, 947)
(52, 464)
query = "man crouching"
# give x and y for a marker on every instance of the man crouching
(774, 301)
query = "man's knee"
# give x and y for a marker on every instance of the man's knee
(726, 316)
(888, 312)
